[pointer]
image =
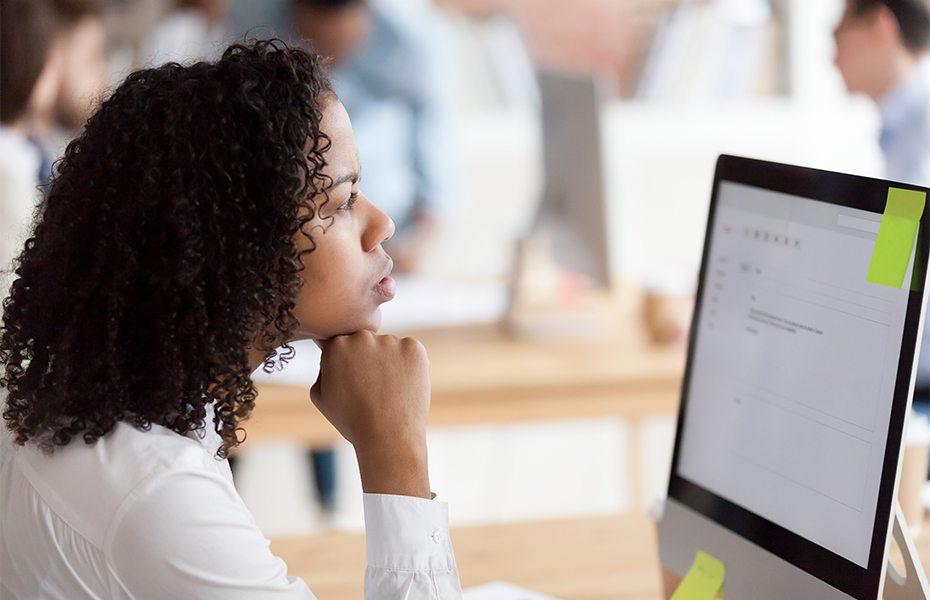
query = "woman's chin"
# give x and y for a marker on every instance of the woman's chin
(372, 323)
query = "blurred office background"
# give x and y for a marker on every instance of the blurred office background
(687, 81)
(682, 82)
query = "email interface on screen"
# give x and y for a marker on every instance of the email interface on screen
(794, 367)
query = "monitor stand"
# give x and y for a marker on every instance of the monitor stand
(897, 586)
(550, 302)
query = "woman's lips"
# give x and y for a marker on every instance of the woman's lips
(387, 288)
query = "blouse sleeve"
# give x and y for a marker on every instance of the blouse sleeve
(408, 549)
(189, 535)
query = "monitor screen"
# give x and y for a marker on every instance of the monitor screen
(799, 370)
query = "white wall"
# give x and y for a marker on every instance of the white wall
(500, 173)
(660, 166)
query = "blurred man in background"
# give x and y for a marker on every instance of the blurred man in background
(28, 82)
(390, 69)
(882, 51)
(52, 70)
(882, 48)
(82, 40)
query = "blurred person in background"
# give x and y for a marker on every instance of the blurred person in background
(84, 71)
(193, 30)
(27, 87)
(390, 67)
(882, 51)
(52, 69)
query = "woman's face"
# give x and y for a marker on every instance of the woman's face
(347, 276)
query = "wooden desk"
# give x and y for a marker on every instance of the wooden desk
(479, 375)
(580, 559)
(596, 558)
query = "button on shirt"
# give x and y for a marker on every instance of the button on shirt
(153, 514)
(905, 143)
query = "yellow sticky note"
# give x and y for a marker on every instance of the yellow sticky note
(703, 581)
(896, 236)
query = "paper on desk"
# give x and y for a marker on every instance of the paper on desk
(501, 590)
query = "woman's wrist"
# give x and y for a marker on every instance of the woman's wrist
(397, 471)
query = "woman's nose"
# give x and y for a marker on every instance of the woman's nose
(379, 227)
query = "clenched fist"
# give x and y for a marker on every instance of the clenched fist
(375, 390)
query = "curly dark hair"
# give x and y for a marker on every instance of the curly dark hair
(166, 248)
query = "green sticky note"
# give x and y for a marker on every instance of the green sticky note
(703, 581)
(896, 236)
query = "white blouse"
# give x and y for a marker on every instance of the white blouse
(153, 514)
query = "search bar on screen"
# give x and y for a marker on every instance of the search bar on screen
(858, 224)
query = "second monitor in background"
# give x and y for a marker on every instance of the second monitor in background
(574, 204)
(563, 264)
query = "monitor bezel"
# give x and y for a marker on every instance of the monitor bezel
(853, 191)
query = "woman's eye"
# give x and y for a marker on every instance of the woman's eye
(350, 202)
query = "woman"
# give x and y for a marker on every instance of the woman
(207, 215)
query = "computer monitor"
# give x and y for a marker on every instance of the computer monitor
(797, 386)
(573, 207)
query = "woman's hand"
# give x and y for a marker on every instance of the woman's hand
(375, 390)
